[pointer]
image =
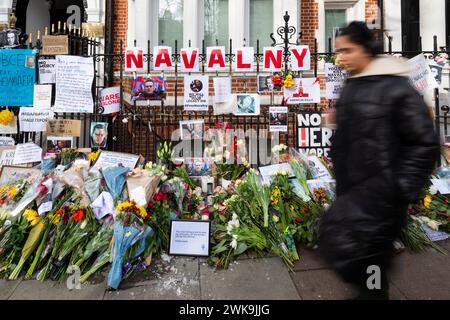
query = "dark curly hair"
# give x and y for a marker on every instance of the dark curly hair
(358, 33)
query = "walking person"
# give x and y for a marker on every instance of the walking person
(383, 151)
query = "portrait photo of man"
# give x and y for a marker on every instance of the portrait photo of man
(196, 86)
(9, 38)
(149, 88)
(99, 134)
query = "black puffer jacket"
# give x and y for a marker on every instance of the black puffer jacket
(383, 151)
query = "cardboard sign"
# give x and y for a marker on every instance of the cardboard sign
(109, 100)
(55, 45)
(215, 59)
(27, 153)
(190, 60)
(196, 93)
(112, 159)
(306, 90)
(300, 58)
(335, 79)
(245, 58)
(17, 77)
(10, 128)
(74, 78)
(47, 71)
(162, 58)
(94, 29)
(189, 238)
(134, 60)
(64, 128)
(312, 137)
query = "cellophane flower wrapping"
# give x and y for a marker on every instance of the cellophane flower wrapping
(142, 186)
(75, 178)
(115, 178)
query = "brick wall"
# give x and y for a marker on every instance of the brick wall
(121, 23)
(371, 11)
(309, 21)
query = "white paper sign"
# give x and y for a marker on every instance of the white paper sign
(162, 58)
(335, 79)
(7, 157)
(269, 172)
(196, 93)
(10, 128)
(245, 58)
(189, 238)
(34, 119)
(222, 89)
(318, 170)
(112, 159)
(190, 60)
(45, 207)
(300, 58)
(215, 59)
(42, 96)
(109, 100)
(305, 90)
(421, 77)
(27, 153)
(6, 141)
(47, 71)
(74, 78)
(443, 185)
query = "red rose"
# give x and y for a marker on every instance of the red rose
(114, 114)
(446, 201)
(78, 215)
(188, 195)
(151, 204)
(206, 211)
(165, 197)
(299, 220)
(157, 197)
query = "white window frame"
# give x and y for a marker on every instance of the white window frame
(193, 21)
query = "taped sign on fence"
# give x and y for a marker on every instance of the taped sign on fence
(109, 100)
(63, 128)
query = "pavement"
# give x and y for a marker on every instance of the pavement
(423, 276)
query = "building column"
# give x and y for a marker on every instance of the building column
(193, 16)
(5, 11)
(238, 26)
(96, 11)
(432, 23)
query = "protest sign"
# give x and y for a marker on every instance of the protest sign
(305, 90)
(34, 120)
(63, 128)
(421, 78)
(222, 89)
(109, 100)
(7, 156)
(6, 141)
(278, 119)
(190, 60)
(196, 93)
(42, 97)
(55, 45)
(334, 83)
(17, 77)
(27, 153)
(74, 77)
(313, 138)
(47, 71)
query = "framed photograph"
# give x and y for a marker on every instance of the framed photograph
(12, 174)
(99, 134)
(58, 144)
(149, 88)
(198, 167)
(265, 84)
(278, 119)
(192, 129)
(9, 38)
(190, 238)
(247, 104)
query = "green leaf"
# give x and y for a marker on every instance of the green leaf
(241, 248)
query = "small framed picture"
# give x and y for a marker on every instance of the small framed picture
(198, 167)
(190, 238)
(58, 144)
(278, 119)
(99, 134)
(247, 104)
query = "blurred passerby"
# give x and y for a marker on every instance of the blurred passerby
(383, 151)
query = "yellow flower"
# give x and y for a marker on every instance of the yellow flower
(32, 217)
(289, 81)
(54, 218)
(12, 192)
(427, 201)
(94, 155)
(6, 117)
(123, 207)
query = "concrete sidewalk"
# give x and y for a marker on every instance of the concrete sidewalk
(416, 276)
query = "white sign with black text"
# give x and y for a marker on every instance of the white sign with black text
(196, 93)
(189, 238)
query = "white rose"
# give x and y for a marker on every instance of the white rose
(218, 159)
(227, 154)
(233, 244)
(275, 219)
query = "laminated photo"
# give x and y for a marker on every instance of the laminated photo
(148, 88)
(278, 119)
(247, 104)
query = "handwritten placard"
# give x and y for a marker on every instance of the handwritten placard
(6, 141)
(42, 96)
(63, 128)
(55, 45)
(7, 157)
(112, 159)
(74, 78)
(34, 120)
(27, 153)
(189, 238)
